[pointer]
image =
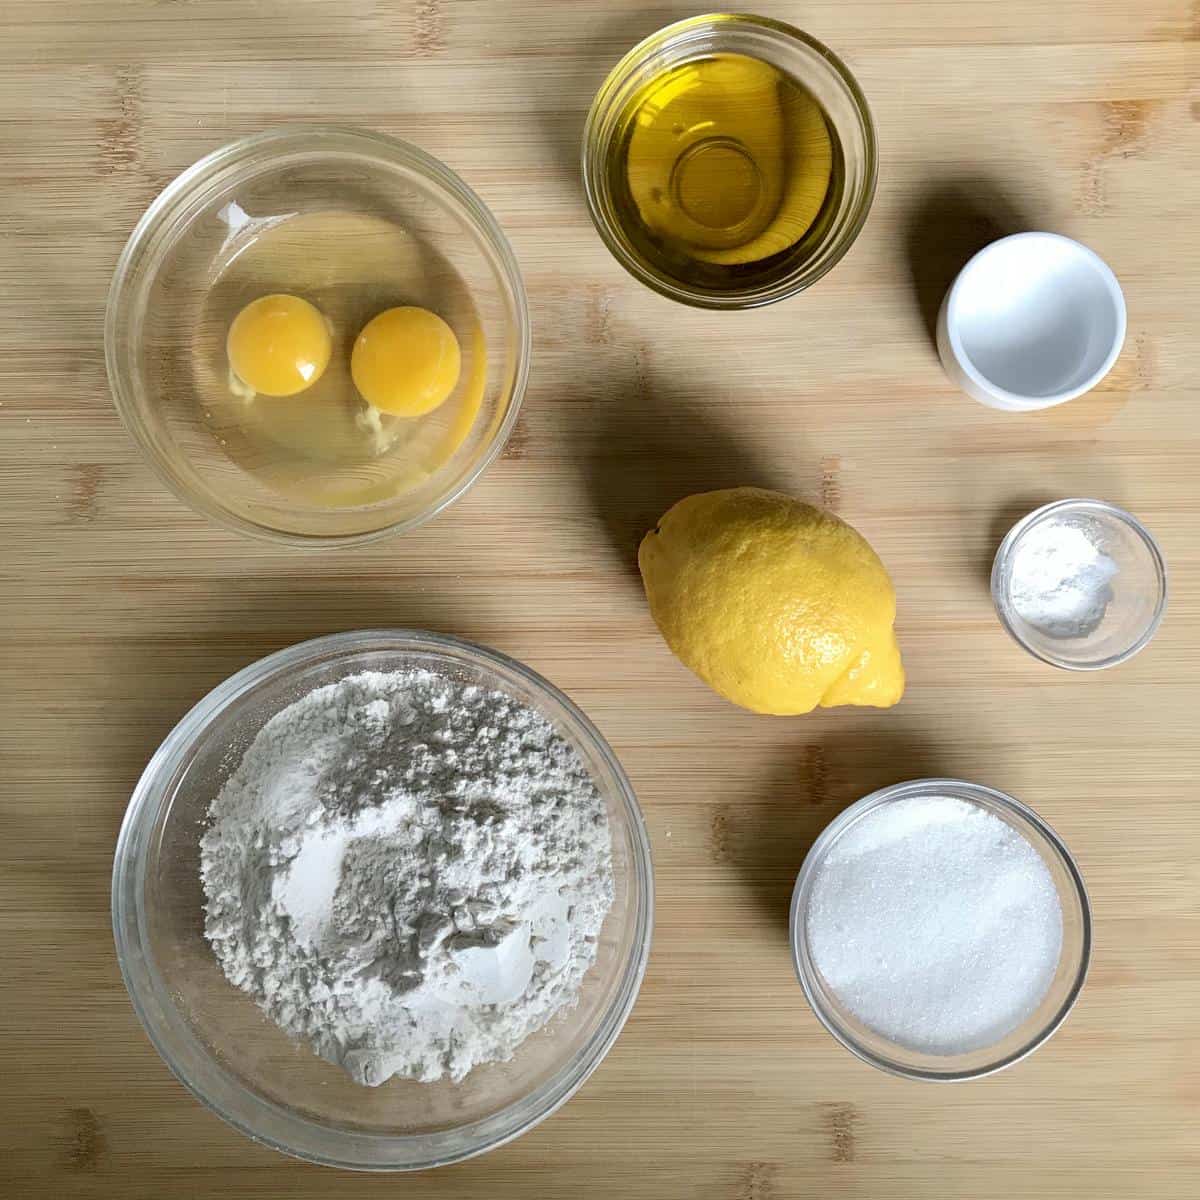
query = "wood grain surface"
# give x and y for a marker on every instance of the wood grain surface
(121, 607)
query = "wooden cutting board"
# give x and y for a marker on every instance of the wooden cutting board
(121, 607)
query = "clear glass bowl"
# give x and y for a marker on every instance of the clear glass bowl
(1064, 989)
(1139, 589)
(793, 53)
(245, 1068)
(173, 295)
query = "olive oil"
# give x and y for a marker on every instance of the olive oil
(723, 172)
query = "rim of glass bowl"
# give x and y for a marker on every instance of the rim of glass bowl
(806, 970)
(170, 1033)
(190, 192)
(609, 102)
(1002, 563)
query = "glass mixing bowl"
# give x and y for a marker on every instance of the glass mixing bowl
(818, 70)
(422, 236)
(1139, 588)
(1060, 997)
(241, 1065)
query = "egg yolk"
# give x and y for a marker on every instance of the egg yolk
(406, 361)
(279, 345)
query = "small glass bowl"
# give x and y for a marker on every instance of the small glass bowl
(1064, 989)
(213, 1036)
(157, 323)
(1139, 589)
(793, 53)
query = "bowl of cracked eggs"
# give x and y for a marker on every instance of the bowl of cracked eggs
(383, 900)
(318, 335)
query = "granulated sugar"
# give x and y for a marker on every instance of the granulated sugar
(936, 924)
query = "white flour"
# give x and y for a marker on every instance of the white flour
(409, 873)
(1061, 578)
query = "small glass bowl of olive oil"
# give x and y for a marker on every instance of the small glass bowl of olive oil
(729, 161)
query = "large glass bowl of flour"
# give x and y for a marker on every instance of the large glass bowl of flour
(230, 1055)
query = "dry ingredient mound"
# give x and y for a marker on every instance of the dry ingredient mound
(936, 923)
(408, 873)
(1061, 578)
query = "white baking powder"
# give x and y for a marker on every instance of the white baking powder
(936, 924)
(1061, 578)
(409, 873)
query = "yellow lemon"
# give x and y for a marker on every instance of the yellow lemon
(777, 605)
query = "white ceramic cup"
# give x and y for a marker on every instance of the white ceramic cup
(1031, 321)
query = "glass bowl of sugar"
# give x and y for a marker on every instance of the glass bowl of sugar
(940, 930)
(1080, 584)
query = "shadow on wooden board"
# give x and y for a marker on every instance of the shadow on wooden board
(587, 63)
(951, 221)
(244, 620)
(766, 833)
(652, 444)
